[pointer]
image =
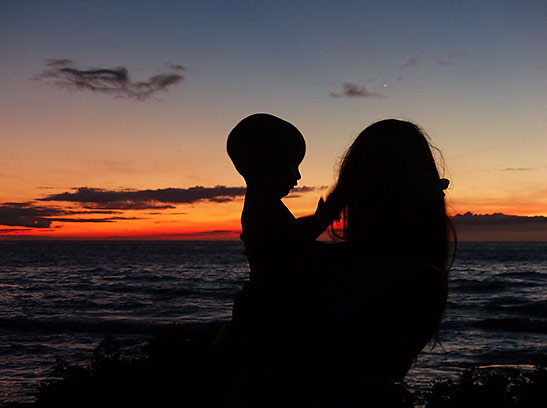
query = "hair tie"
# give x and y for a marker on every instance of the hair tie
(443, 185)
(429, 187)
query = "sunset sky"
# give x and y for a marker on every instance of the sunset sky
(114, 114)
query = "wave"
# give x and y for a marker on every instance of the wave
(536, 308)
(530, 275)
(474, 286)
(513, 324)
(525, 355)
(89, 326)
(533, 309)
(163, 292)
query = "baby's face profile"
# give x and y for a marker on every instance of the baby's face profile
(282, 178)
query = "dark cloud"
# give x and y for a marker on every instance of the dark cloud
(97, 201)
(2, 231)
(410, 63)
(113, 81)
(146, 199)
(159, 199)
(308, 189)
(177, 67)
(500, 227)
(27, 215)
(35, 216)
(498, 219)
(352, 90)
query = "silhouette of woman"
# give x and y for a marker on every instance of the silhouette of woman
(386, 292)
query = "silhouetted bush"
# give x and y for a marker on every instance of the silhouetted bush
(492, 387)
(181, 369)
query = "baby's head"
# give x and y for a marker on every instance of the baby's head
(267, 151)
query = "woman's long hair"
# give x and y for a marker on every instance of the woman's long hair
(393, 196)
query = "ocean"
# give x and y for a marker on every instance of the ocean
(59, 299)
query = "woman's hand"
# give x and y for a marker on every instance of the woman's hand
(334, 204)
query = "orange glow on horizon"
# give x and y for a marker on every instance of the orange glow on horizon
(223, 233)
(487, 207)
(214, 221)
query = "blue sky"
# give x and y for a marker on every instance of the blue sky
(472, 74)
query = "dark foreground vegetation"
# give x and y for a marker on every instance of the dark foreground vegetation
(181, 369)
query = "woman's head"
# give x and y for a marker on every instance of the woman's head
(393, 195)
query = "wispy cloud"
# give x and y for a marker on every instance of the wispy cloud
(214, 233)
(112, 81)
(298, 191)
(177, 67)
(448, 60)
(94, 220)
(308, 189)
(352, 90)
(412, 62)
(519, 168)
(197, 235)
(444, 63)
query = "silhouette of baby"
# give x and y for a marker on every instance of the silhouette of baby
(267, 152)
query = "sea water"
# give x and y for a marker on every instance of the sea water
(59, 299)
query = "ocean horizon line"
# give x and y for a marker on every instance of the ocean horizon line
(148, 239)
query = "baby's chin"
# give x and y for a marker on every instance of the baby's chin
(287, 191)
(281, 191)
